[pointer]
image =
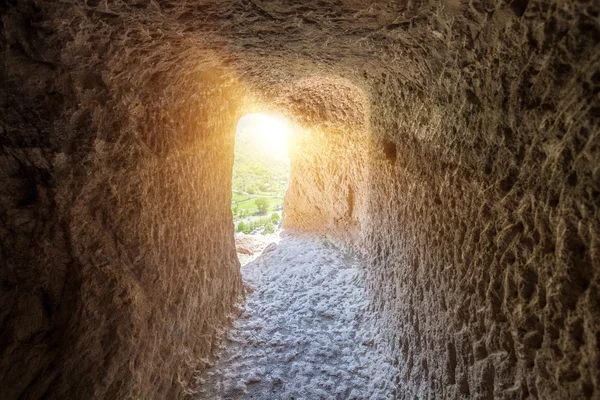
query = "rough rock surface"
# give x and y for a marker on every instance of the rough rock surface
(306, 332)
(249, 247)
(471, 186)
(482, 225)
(117, 250)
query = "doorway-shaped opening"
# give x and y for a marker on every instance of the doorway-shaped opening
(261, 173)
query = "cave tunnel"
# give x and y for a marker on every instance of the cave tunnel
(453, 146)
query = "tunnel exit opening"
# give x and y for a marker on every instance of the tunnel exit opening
(261, 174)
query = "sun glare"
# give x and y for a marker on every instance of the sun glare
(268, 133)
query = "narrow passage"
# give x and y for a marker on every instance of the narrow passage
(306, 331)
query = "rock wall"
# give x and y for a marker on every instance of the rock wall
(481, 228)
(329, 154)
(116, 242)
(486, 255)
(454, 143)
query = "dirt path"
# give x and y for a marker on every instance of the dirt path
(305, 333)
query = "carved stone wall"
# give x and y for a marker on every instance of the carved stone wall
(455, 144)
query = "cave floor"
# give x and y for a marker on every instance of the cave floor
(306, 331)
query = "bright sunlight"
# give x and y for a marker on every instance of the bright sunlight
(268, 133)
(260, 174)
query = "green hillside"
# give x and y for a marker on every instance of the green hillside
(257, 173)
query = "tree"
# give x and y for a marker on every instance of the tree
(269, 228)
(275, 218)
(262, 204)
(241, 227)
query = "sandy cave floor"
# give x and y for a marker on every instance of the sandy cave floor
(306, 331)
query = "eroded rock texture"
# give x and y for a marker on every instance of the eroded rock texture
(483, 189)
(329, 153)
(454, 143)
(118, 261)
